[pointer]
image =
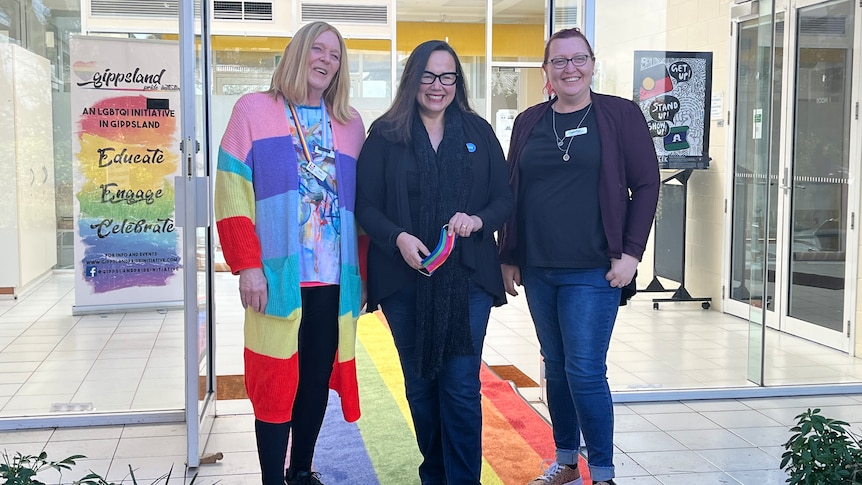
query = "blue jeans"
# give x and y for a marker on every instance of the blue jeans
(446, 410)
(574, 312)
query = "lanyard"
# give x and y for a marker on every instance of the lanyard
(324, 123)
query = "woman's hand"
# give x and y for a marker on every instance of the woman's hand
(511, 278)
(464, 225)
(412, 249)
(252, 289)
(622, 271)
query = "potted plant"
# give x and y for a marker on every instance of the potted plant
(21, 469)
(822, 451)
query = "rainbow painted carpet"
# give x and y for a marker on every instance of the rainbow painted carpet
(381, 448)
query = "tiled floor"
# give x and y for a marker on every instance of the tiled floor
(49, 357)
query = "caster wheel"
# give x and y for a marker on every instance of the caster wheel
(705, 305)
(655, 306)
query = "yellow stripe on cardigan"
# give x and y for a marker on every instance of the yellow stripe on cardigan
(346, 337)
(272, 336)
(232, 203)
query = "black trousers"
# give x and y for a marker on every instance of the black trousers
(318, 341)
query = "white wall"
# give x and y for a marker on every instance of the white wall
(624, 26)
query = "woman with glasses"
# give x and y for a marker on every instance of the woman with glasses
(585, 177)
(432, 173)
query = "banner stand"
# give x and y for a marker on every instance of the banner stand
(125, 308)
(126, 113)
(669, 262)
(673, 89)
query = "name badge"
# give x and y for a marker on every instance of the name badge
(316, 171)
(326, 152)
(576, 131)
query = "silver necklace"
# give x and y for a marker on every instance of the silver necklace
(571, 138)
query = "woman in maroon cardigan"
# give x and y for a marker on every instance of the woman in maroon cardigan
(585, 176)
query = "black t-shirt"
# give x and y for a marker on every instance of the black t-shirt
(560, 222)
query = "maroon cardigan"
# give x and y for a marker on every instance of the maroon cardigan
(628, 181)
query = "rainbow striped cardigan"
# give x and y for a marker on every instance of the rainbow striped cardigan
(257, 174)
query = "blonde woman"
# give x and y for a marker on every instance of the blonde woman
(284, 199)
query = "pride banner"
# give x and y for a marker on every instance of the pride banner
(125, 145)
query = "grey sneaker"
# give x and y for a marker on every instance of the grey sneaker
(556, 474)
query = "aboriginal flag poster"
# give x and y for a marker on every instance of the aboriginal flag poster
(125, 101)
(674, 90)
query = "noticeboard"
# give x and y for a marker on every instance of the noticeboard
(674, 91)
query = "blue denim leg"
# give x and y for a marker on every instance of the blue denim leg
(574, 312)
(446, 410)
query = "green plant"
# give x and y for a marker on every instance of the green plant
(822, 451)
(22, 469)
(95, 479)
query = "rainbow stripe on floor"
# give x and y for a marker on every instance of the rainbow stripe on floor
(381, 448)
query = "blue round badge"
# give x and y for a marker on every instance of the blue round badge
(471, 147)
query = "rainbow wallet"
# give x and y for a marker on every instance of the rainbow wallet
(440, 253)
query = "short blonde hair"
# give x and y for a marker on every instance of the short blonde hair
(290, 78)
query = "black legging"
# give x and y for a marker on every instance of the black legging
(318, 341)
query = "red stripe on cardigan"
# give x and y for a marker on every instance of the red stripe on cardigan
(271, 385)
(343, 381)
(239, 243)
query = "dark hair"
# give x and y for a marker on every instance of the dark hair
(567, 34)
(396, 124)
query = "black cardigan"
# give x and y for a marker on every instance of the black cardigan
(383, 211)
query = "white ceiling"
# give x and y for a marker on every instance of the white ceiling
(473, 11)
(60, 4)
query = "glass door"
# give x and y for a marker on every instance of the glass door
(751, 225)
(515, 71)
(193, 202)
(514, 88)
(754, 192)
(820, 185)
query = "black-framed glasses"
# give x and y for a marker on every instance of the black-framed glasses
(577, 61)
(446, 78)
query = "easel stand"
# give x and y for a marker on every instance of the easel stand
(669, 258)
(680, 294)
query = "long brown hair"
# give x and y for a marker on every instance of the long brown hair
(290, 78)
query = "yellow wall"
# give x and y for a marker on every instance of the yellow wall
(524, 42)
(509, 40)
(277, 44)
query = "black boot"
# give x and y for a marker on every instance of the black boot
(303, 478)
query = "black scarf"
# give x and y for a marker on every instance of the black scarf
(442, 300)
